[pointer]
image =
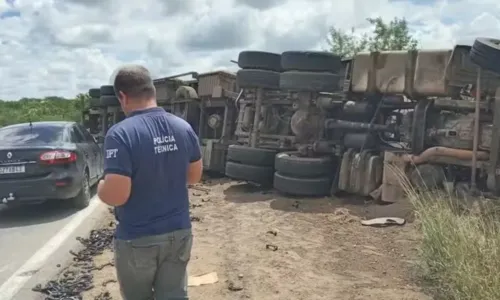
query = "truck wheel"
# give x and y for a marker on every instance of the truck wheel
(427, 177)
(253, 78)
(95, 93)
(82, 200)
(95, 102)
(259, 60)
(310, 61)
(291, 164)
(309, 81)
(251, 156)
(107, 90)
(319, 186)
(186, 92)
(257, 174)
(109, 101)
(486, 53)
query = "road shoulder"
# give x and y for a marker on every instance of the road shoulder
(61, 257)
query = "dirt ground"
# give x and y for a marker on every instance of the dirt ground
(323, 252)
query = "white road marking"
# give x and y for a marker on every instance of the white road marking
(12, 285)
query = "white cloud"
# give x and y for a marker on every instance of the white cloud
(64, 47)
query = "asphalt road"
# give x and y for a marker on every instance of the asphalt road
(26, 230)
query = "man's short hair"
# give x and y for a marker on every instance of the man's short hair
(134, 81)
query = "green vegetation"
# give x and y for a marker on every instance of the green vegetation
(46, 109)
(394, 35)
(459, 252)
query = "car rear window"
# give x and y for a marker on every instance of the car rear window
(30, 135)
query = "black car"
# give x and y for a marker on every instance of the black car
(40, 161)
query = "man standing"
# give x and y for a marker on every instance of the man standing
(150, 158)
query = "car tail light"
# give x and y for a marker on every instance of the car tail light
(57, 157)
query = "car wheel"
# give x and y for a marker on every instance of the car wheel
(82, 200)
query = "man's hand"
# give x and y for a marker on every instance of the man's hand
(114, 189)
(100, 185)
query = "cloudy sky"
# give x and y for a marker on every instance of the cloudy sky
(64, 47)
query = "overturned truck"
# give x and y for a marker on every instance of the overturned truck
(206, 102)
(352, 125)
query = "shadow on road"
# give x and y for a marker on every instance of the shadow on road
(48, 212)
(362, 207)
(246, 193)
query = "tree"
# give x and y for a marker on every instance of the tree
(46, 109)
(394, 35)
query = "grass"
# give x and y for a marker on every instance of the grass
(460, 247)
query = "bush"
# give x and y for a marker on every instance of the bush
(46, 109)
(460, 248)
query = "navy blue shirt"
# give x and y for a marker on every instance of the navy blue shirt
(154, 148)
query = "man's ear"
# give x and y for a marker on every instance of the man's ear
(121, 96)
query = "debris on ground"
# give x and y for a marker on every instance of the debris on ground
(272, 247)
(273, 232)
(234, 286)
(209, 278)
(103, 296)
(383, 222)
(195, 219)
(321, 249)
(78, 279)
(199, 188)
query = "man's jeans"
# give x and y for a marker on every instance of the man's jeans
(154, 267)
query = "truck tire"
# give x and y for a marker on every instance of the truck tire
(257, 174)
(251, 156)
(107, 100)
(95, 102)
(259, 60)
(95, 93)
(107, 90)
(309, 81)
(186, 92)
(486, 53)
(310, 61)
(253, 78)
(291, 164)
(319, 186)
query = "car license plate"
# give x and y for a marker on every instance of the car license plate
(12, 169)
